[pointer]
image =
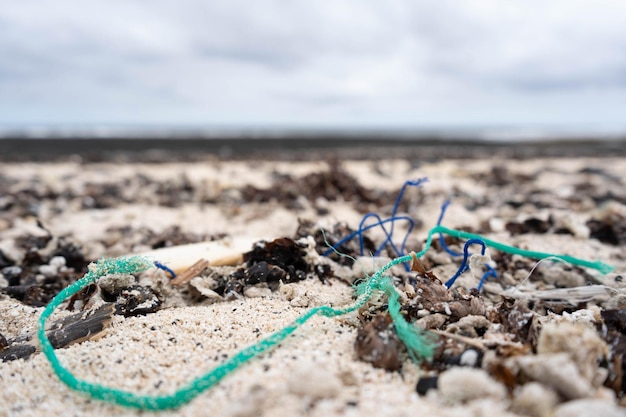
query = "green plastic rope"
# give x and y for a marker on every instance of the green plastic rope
(599, 266)
(419, 344)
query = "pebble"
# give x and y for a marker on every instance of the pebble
(581, 343)
(496, 224)
(48, 271)
(469, 358)
(57, 262)
(557, 371)
(575, 225)
(12, 274)
(534, 400)
(426, 384)
(465, 384)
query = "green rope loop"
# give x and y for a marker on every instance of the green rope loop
(419, 344)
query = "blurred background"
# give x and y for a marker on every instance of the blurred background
(470, 70)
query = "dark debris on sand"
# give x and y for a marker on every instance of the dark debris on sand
(473, 329)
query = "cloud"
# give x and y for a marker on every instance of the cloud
(296, 62)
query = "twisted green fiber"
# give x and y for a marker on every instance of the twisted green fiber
(418, 343)
(599, 266)
(185, 394)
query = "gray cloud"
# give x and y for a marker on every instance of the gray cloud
(350, 62)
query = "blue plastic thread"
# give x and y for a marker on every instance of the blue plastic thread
(380, 223)
(359, 232)
(398, 252)
(165, 268)
(396, 206)
(490, 271)
(464, 267)
(442, 240)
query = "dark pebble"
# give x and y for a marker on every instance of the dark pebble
(12, 274)
(426, 383)
(470, 358)
(615, 319)
(4, 261)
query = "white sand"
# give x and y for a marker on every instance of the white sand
(313, 373)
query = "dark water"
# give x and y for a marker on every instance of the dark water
(162, 149)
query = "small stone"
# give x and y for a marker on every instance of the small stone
(57, 262)
(534, 400)
(558, 372)
(574, 226)
(12, 274)
(465, 384)
(470, 357)
(426, 384)
(496, 224)
(48, 271)
(581, 343)
(290, 291)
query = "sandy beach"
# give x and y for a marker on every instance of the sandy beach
(521, 346)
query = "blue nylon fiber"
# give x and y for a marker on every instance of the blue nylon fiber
(380, 223)
(464, 267)
(165, 268)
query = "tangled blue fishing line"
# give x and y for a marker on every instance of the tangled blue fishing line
(381, 223)
(491, 272)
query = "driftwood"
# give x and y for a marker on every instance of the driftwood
(63, 332)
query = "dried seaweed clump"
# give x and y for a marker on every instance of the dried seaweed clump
(281, 260)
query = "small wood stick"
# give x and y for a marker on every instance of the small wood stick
(468, 341)
(193, 271)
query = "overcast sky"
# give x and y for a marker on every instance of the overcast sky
(313, 63)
